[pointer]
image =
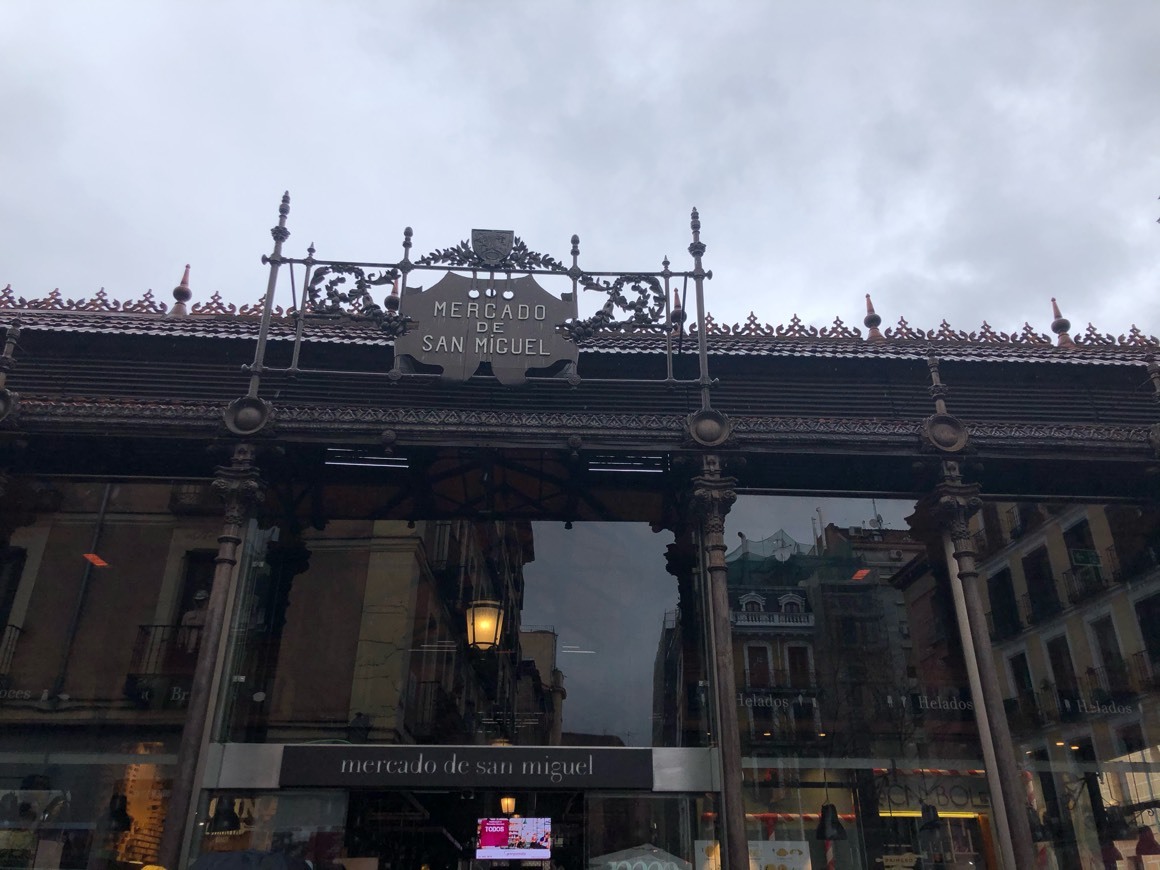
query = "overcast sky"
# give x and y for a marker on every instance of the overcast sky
(965, 160)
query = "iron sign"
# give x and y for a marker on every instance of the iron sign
(461, 322)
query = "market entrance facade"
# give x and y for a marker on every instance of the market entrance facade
(352, 578)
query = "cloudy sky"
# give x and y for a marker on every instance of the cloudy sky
(965, 160)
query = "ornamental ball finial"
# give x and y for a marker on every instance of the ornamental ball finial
(1060, 326)
(181, 295)
(872, 322)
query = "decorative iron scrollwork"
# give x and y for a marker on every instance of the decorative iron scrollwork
(328, 293)
(331, 292)
(646, 312)
(519, 259)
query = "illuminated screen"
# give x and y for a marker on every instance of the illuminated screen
(501, 839)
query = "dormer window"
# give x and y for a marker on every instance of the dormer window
(751, 602)
(792, 603)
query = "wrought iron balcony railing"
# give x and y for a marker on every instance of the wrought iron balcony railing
(779, 680)
(1025, 712)
(1039, 608)
(165, 650)
(1084, 582)
(8, 649)
(1120, 680)
(1003, 625)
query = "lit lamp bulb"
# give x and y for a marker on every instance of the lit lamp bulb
(484, 624)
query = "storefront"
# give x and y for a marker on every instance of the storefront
(398, 573)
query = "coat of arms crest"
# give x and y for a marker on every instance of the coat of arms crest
(492, 246)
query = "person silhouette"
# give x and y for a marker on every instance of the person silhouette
(192, 622)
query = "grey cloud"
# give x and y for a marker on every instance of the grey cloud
(959, 161)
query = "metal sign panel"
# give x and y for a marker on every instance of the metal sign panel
(461, 322)
(466, 767)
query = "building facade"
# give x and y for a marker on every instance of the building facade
(409, 565)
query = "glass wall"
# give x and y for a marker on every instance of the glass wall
(102, 589)
(1074, 596)
(527, 632)
(369, 830)
(856, 720)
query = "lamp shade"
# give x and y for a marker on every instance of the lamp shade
(225, 818)
(484, 624)
(829, 827)
(507, 804)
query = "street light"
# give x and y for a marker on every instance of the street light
(484, 624)
(507, 804)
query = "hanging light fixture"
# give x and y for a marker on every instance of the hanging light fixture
(507, 804)
(829, 826)
(928, 817)
(224, 819)
(484, 624)
(119, 819)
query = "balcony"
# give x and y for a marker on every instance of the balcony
(7, 651)
(778, 681)
(1136, 564)
(1003, 626)
(1058, 703)
(1084, 582)
(760, 619)
(1120, 680)
(1025, 712)
(161, 668)
(166, 649)
(1039, 608)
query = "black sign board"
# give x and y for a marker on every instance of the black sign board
(466, 767)
(507, 322)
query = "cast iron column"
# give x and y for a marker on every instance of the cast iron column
(713, 495)
(955, 503)
(240, 488)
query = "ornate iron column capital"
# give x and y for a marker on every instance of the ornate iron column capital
(713, 496)
(952, 503)
(239, 484)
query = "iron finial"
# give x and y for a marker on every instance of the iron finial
(280, 233)
(310, 251)
(697, 248)
(677, 314)
(1060, 326)
(182, 294)
(1154, 376)
(872, 321)
(407, 233)
(575, 245)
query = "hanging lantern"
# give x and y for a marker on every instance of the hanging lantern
(829, 828)
(119, 819)
(928, 818)
(507, 804)
(484, 624)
